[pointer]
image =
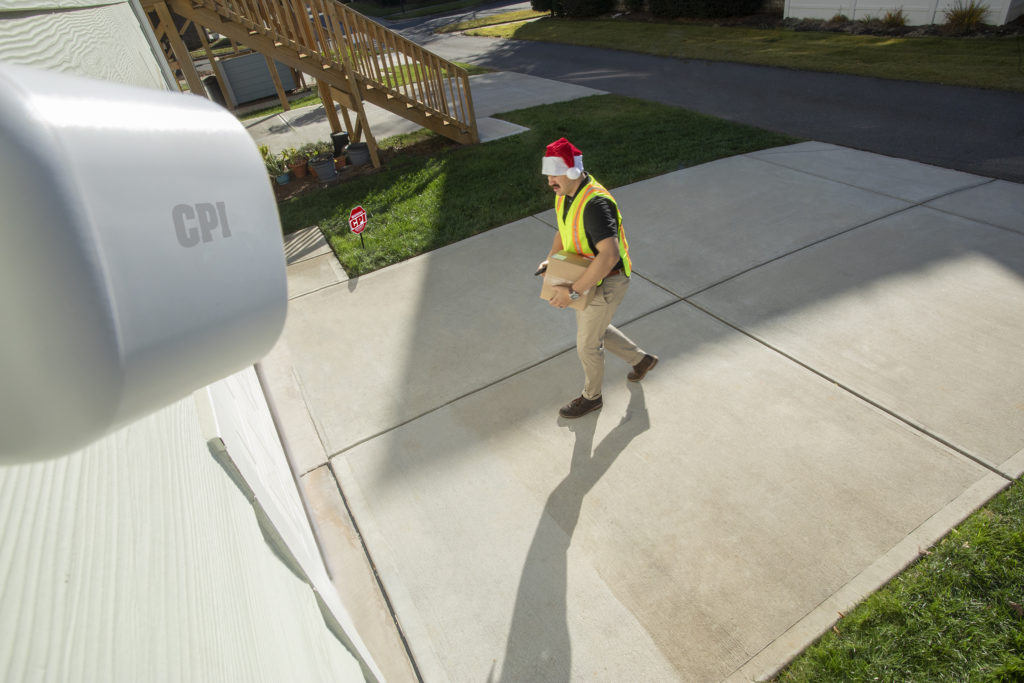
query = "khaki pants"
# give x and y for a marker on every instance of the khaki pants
(595, 333)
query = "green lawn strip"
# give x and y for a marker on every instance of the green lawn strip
(991, 62)
(404, 74)
(298, 103)
(420, 203)
(955, 615)
(494, 19)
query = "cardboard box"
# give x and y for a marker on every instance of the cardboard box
(564, 268)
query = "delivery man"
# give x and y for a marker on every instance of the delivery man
(589, 224)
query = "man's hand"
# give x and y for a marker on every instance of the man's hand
(561, 298)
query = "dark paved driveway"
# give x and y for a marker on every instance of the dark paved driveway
(973, 130)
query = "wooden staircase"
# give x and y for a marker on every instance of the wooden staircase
(353, 60)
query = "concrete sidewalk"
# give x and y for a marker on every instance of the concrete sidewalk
(839, 385)
(840, 381)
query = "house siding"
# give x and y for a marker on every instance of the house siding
(140, 557)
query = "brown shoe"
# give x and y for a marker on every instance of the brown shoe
(642, 368)
(580, 406)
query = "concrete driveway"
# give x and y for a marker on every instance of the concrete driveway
(840, 383)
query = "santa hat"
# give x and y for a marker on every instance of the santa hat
(562, 158)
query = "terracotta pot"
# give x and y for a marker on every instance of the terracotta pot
(298, 170)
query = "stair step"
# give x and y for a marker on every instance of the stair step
(330, 70)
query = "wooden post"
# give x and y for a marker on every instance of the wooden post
(325, 97)
(345, 100)
(469, 114)
(278, 86)
(355, 93)
(217, 72)
(180, 51)
(348, 121)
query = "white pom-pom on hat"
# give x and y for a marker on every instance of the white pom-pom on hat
(562, 158)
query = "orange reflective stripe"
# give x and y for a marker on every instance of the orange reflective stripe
(571, 227)
(576, 212)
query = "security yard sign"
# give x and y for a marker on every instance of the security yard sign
(357, 220)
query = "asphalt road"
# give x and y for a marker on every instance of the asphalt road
(967, 129)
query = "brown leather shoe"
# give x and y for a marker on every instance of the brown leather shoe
(642, 368)
(580, 406)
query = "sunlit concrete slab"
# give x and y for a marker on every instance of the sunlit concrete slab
(490, 128)
(311, 262)
(998, 203)
(907, 180)
(305, 244)
(504, 91)
(314, 274)
(921, 313)
(379, 350)
(673, 536)
(705, 224)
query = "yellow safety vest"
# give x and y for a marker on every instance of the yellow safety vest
(574, 237)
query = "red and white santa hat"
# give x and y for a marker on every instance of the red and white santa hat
(562, 158)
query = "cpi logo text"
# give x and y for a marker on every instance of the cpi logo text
(195, 224)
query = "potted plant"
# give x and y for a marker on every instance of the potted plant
(321, 161)
(295, 160)
(275, 165)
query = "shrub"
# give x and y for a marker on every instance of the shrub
(704, 9)
(586, 8)
(273, 162)
(556, 7)
(666, 9)
(894, 18)
(839, 19)
(964, 16)
(635, 5)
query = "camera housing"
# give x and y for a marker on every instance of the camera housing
(142, 255)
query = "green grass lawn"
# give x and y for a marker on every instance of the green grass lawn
(419, 203)
(298, 103)
(517, 15)
(991, 62)
(955, 615)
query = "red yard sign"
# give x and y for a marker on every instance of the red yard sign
(357, 220)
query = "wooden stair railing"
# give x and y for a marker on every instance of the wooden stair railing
(353, 58)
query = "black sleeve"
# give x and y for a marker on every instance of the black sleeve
(600, 220)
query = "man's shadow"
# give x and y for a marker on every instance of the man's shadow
(539, 647)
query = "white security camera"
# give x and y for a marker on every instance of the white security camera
(141, 259)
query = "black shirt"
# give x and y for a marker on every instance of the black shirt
(600, 219)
